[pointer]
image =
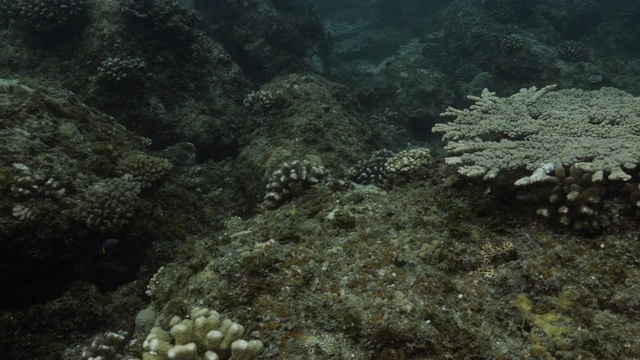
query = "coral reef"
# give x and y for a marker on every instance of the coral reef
(58, 195)
(268, 38)
(577, 144)
(425, 279)
(137, 138)
(165, 18)
(163, 102)
(310, 118)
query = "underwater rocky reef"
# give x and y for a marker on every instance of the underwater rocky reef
(300, 179)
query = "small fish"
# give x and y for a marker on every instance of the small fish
(108, 244)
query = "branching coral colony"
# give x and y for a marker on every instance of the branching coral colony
(580, 147)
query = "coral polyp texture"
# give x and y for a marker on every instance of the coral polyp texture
(596, 131)
(408, 163)
(372, 170)
(572, 197)
(108, 204)
(206, 335)
(120, 69)
(291, 180)
(143, 168)
(31, 184)
(107, 346)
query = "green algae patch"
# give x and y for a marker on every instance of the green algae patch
(564, 301)
(550, 325)
(548, 331)
(523, 303)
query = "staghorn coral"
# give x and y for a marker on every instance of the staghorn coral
(291, 180)
(597, 131)
(108, 204)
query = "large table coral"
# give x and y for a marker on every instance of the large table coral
(597, 131)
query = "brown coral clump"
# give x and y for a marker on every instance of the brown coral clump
(372, 170)
(143, 168)
(291, 180)
(409, 163)
(108, 204)
(572, 198)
